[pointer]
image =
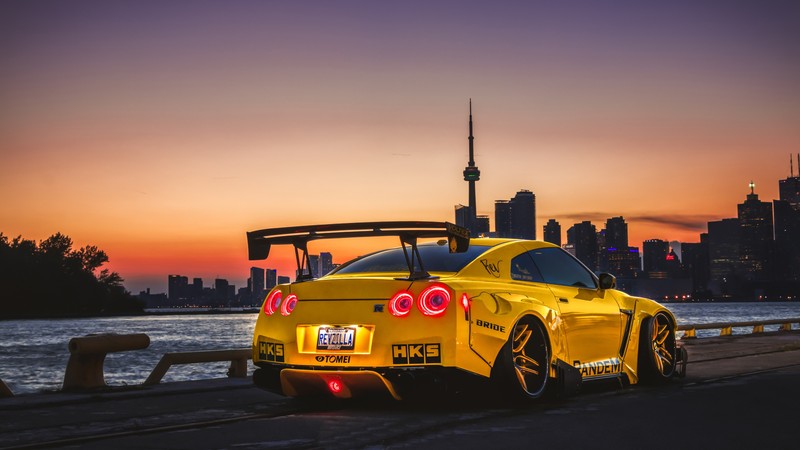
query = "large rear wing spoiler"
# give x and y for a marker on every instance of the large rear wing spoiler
(260, 242)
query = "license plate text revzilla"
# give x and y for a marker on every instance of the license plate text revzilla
(336, 338)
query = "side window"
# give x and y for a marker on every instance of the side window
(559, 267)
(523, 269)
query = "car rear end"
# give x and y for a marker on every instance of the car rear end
(348, 335)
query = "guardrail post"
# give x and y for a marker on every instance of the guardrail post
(726, 331)
(87, 354)
(758, 328)
(238, 368)
(237, 357)
(689, 334)
(786, 327)
(4, 390)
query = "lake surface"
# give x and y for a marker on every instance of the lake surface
(34, 354)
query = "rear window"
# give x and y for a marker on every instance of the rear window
(436, 258)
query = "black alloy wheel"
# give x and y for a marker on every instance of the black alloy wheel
(657, 349)
(523, 365)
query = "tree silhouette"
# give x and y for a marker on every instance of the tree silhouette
(53, 280)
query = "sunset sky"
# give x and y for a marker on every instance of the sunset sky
(163, 131)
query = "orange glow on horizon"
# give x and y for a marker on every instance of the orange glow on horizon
(163, 145)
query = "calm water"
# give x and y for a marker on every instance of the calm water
(33, 353)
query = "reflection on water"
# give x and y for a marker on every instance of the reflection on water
(698, 313)
(33, 353)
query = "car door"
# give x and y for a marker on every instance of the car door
(591, 316)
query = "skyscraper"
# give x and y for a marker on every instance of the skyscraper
(462, 216)
(695, 261)
(723, 252)
(481, 225)
(177, 287)
(502, 218)
(655, 257)
(789, 188)
(256, 282)
(755, 233)
(222, 292)
(271, 278)
(583, 237)
(617, 257)
(516, 218)
(196, 288)
(552, 232)
(325, 263)
(313, 265)
(523, 215)
(787, 226)
(471, 175)
(616, 233)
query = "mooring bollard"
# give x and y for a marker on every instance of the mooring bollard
(85, 365)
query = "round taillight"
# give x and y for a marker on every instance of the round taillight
(433, 301)
(273, 302)
(288, 306)
(400, 305)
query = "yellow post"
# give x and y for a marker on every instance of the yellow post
(758, 329)
(726, 331)
(690, 333)
(87, 354)
(786, 327)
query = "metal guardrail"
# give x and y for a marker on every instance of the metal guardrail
(726, 328)
(237, 357)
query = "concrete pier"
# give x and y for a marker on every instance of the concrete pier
(740, 391)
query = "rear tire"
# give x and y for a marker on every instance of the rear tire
(522, 367)
(657, 349)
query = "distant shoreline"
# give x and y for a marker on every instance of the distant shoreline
(146, 312)
(180, 311)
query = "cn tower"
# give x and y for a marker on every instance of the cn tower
(471, 175)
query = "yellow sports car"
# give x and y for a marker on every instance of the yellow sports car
(522, 316)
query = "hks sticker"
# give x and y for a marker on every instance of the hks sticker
(416, 354)
(268, 351)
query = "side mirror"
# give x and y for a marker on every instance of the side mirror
(607, 281)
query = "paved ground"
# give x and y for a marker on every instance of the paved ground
(740, 392)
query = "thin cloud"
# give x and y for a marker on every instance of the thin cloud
(689, 222)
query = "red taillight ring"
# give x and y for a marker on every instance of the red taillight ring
(288, 306)
(400, 305)
(273, 302)
(433, 301)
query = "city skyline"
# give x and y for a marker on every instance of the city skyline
(163, 132)
(701, 270)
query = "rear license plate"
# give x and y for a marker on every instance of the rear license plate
(336, 338)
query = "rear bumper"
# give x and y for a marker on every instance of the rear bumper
(340, 384)
(396, 383)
